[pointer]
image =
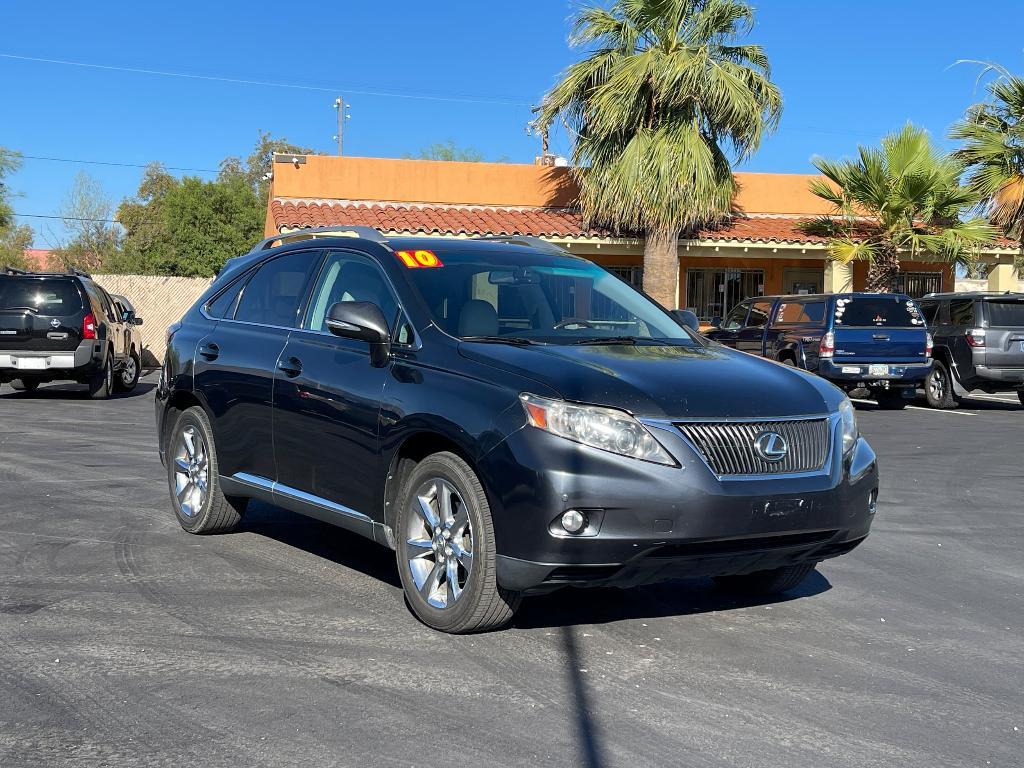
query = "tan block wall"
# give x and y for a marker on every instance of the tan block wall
(159, 301)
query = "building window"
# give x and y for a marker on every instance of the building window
(917, 284)
(712, 293)
(632, 275)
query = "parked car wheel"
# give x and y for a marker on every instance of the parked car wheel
(129, 375)
(938, 387)
(766, 582)
(446, 552)
(24, 385)
(199, 503)
(890, 399)
(102, 382)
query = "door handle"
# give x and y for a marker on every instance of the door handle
(290, 367)
(880, 337)
(209, 351)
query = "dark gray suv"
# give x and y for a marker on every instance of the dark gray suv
(979, 345)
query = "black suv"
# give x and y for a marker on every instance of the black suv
(509, 418)
(979, 345)
(63, 326)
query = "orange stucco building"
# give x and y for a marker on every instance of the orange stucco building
(761, 251)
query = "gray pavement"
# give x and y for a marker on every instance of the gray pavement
(125, 641)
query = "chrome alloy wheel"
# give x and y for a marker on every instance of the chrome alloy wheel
(937, 384)
(191, 471)
(128, 372)
(440, 543)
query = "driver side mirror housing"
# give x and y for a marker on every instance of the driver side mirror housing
(687, 319)
(363, 321)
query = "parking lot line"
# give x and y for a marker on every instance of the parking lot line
(997, 398)
(919, 408)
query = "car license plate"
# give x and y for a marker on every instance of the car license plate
(31, 363)
(878, 370)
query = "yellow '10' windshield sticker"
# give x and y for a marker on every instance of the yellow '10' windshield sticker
(419, 259)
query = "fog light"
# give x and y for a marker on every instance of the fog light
(574, 521)
(873, 502)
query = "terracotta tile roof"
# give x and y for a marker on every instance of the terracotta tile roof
(537, 222)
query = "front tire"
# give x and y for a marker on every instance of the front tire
(446, 552)
(102, 382)
(770, 582)
(129, 375)
(24, 385)
(199, 503)
(938, 387)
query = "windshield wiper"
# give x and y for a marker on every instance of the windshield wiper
(624, 340)
(517, 340)
(30, 309)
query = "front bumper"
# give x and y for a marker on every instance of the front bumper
(652, 522)
(910, 374)
(50, 363)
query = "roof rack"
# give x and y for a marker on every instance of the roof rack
(533, 242)
(6, 270)
(311, 233)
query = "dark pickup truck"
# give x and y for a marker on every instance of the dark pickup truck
(855, 340)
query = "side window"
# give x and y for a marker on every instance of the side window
(930, 310)
(736, 317)
(961, 312)
(223, 305)
(352, 277)
(759, 313)
(800, 313)
(274, 294)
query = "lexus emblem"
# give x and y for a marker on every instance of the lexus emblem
(55, 323)
(771, 446)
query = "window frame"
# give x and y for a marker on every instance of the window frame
(746, 304)
(304, 299)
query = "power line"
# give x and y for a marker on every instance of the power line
(68, 218)
(118, 164)
(270, 84)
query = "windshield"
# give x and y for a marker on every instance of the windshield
(883, 312)
(47, 297)
(531, 297)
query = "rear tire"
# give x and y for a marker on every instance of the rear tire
(101, 384)
(199, 504)
(129, 374)
(24, 385)
(889, 400)
(766, 582)
(938, 387)
(446, 553)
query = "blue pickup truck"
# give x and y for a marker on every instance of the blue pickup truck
(877, 341)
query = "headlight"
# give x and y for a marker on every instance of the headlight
(849, 418)
(605, 428)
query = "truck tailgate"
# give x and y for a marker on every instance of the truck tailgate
(881, 345)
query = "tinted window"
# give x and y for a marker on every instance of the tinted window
(349, 277)
(224, 304)
(1005, 314)
(759, 313)
(930, 310)
(275, 292)
(736, 317)
(49, 297)
(800, 313)
(882, 312)
(961, 312)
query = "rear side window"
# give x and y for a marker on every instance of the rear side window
(275, 293)
(895, 312)
(52, 297)
(800, 313)
(961, 312)
(224, 305)
(1005, 314)
(930, 310)
(759, 312)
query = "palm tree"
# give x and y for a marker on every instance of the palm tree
(993, 151)
(902, 198)
(665, 98)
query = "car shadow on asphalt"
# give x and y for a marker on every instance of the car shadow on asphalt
(71, 392)
(679, 597)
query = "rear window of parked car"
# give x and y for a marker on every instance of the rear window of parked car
(1005, 314)
(881, 312)
(48, 297)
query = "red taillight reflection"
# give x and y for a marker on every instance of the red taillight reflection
(88, 327)
(929, 345)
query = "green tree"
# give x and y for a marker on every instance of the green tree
(448, 150)
(667, 96)
(902, 198)
(14, 239)
(256, 169)
(95, 238)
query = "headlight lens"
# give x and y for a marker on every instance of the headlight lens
(848, 416)
(605, 428)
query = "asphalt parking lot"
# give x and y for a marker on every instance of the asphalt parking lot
(126, 641)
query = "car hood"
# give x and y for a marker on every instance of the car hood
(665, 382)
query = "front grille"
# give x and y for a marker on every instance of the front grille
(728, 447)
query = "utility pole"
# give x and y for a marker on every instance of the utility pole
(342, 109)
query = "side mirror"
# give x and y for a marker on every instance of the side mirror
(716, 322)
(364, 321)
(136, 321)
(687, 319)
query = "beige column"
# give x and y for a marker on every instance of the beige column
(838, 277)
(1003, 277)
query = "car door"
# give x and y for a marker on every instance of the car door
(730, 328)
(327, 394)
(962, 317)
(236, 362)
(750, 338)
(118, 327)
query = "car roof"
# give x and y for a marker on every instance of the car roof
(977, 295)
(851, 294)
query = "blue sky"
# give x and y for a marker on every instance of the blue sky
(850, 71)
